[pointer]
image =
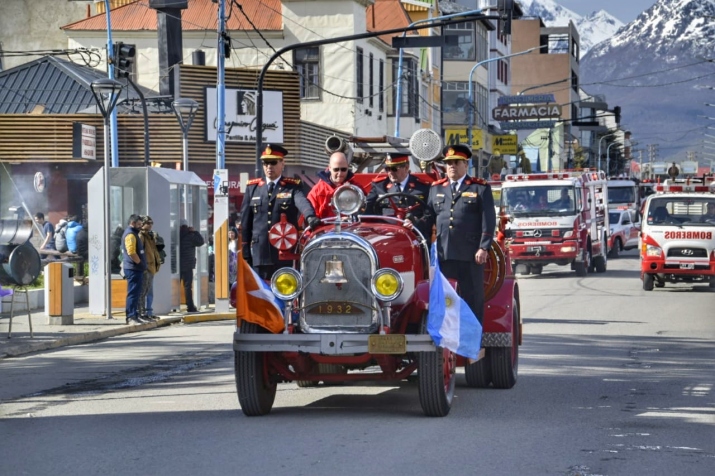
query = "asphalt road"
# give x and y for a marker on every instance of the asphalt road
(612, 381)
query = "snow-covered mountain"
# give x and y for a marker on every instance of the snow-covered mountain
(658, 69)
(593, 28)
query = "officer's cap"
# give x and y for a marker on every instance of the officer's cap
(273, 152)
(457, 152)
(396, 159)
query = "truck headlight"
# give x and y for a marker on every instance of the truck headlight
(653, 251)
(348, 199)
(286, 284)
(387, 284)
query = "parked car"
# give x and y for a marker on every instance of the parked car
(624, 232)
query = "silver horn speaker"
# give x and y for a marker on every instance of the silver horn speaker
(425, 145)
(334, 272)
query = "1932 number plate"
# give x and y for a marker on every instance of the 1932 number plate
(335, 307)
(687, 265)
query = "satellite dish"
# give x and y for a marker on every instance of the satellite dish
(425, 145)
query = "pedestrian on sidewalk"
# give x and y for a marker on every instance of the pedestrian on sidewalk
(153, 263)
(134, 264)
(189, 240)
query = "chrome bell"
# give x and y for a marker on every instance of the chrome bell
(334, 273)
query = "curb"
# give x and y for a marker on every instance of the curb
(221, 316)
(87, 337)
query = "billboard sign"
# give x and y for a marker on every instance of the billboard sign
(505, 144)
(459, 136)
(240, 115)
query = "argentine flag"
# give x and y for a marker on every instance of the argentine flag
(450, 321)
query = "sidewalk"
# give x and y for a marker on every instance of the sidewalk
(86, 328)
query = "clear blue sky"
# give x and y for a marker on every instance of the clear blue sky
(624, 10)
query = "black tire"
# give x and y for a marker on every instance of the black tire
(600, 263)
(505, 360)
(479, 374)
(712, 282)
(648, 282)
(436, 378)
(581, 267)
(256, 391)
(537, 269)
(616, 250)
(523, 269)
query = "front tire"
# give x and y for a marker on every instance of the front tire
(648, 282)
(600, 263)
(616, 250)
(256, 391)
(436, 379)
(505, 360)
(537, 269)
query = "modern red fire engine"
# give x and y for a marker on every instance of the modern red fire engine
(557, 218)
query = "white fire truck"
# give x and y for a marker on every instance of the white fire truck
(677, 242)
(559, 218)
(623, 195)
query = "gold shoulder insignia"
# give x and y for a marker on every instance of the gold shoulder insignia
(479, 181)
(291, 180)
(440, 182)
(255, 181)
(380, 178)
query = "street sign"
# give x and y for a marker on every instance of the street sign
(526, 99)
(459, 136)
(519, 125)
(424, 41)
(515, 112)
(506, 144)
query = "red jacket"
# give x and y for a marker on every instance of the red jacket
(321, 194)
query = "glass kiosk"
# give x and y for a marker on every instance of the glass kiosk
(170, 197)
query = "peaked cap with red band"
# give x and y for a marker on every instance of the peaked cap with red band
(457, 152)
(396, 159)
(273, 152)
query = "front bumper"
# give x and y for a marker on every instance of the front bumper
(324, 344)
(670, 266)
(342, 344)
(544, 252)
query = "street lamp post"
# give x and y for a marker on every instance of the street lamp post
(185, 110)
(599, 149)
(608, 158)
(106, 93)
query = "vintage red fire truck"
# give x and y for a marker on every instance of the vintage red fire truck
(677, 242)
(557, 218)
(356, 305)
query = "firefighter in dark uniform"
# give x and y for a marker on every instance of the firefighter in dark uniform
(263, 204)
(462, 208)
(398, 179)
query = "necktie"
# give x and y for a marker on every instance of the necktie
(454, 187)
(270, 189)
(398, 189)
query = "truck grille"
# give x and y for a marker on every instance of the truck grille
(345, 307)
(688, 253)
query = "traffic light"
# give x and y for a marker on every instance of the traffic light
(123, 59)
(617, 114)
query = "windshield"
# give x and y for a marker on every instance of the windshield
(538, 200)
(682, 211)
(621, 195)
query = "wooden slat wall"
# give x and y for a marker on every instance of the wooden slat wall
(48, 138)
